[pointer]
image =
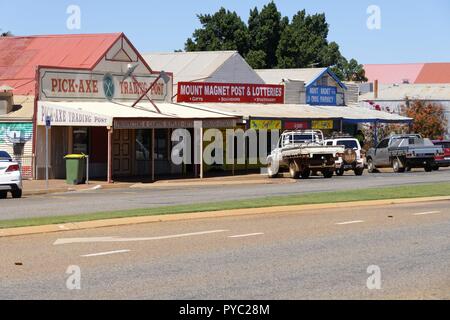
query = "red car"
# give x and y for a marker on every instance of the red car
(444, 160)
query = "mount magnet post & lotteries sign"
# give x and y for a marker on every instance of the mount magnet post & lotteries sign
(229, 93)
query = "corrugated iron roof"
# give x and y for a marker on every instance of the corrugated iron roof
(434, 73)
(393, 73)
(19, 56)
(398, 92)
(273, 76)
(189, 66)
(299, 111)
(413, 73)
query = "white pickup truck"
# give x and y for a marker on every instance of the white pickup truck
(304, 151)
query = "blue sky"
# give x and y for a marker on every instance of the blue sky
(411, 31)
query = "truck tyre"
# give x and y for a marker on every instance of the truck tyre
(271, 171)
(397, 166)
(340, 172)
(328, 174)
(17, 194)
(3, 194)
(295, 174)
(371, 166)
(436, 168)
(359, 171)
(306, 174)
(428, 168)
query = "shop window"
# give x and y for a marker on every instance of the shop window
(143, 145)
(161, 144)
(80, 140)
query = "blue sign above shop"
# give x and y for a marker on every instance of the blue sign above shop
(321, 96)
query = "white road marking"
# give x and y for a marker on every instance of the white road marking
(104, 253)
(117, 239)
(247, 235)
(425, 213)
(349, 222)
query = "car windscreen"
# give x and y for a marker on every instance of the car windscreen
(412, 142)
(349, 144)
(4, 156)
(302, 138)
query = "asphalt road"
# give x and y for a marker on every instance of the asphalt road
(123, 199)
(308, 255)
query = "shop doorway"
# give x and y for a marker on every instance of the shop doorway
(122, 152)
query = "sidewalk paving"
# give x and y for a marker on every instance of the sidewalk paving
(38, 187)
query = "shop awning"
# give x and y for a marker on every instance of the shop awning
(299, 111)
(124, 116)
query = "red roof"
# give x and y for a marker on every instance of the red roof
(19, 56)
(393, 73)
(432, 73)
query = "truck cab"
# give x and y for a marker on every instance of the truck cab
(303, 152)
(403, 152)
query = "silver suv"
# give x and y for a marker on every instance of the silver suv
(353, 157)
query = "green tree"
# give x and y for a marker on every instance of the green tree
(272, 41)
(265, 30)
(257, 59)
(350, 70)
(304, 43)
(5, 34)
(223, 30)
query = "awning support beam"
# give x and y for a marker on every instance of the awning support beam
(109, 166)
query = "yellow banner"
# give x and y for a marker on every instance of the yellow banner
(322, 124)
(265, 124)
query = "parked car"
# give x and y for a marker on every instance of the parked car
(303, 152)
(403, 152)
(10, 177)
(353, 157)
(442, 160)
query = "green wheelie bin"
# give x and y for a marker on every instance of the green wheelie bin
(75, 168)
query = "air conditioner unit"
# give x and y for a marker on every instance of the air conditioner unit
(6, 103)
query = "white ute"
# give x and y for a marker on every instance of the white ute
(10, 177)
(304, 151)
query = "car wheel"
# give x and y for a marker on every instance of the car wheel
(428, 168)
(17, 194)
(3, 194)
(371, 166)
(328, 174)
(359, 171)
(340, 172)
(271, 171)
(436, 168)
(397, 166)
(295, 174)
(306, 174)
